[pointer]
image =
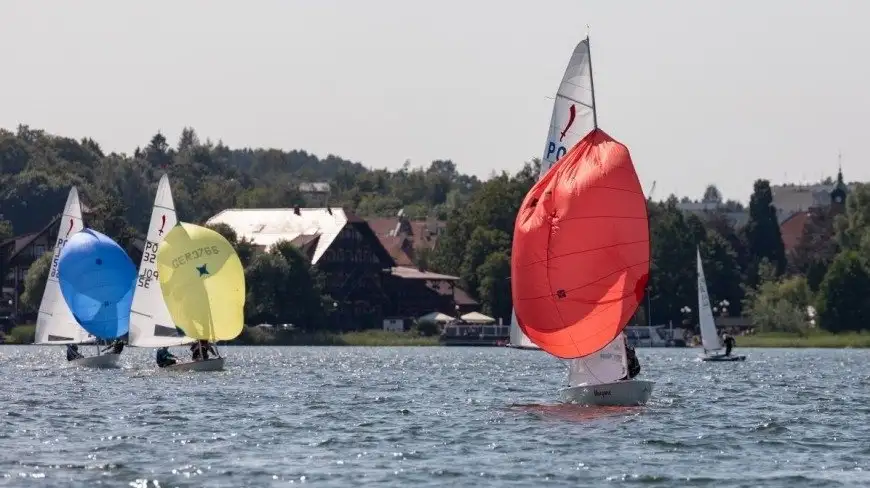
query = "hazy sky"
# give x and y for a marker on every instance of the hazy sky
(700, 91)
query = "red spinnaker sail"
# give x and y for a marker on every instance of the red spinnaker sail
(581, 252)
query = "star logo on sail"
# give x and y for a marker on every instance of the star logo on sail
(202, 270)
(162, 224)
(70, 227)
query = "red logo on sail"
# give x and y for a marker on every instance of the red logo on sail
(70, 227)
(162, 224)
(572, 113)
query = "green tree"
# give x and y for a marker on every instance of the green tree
(226, 231)
(34, 282)
(482, 244)
(762, 232)
(779, 305)
(852, 226)
(816, 248)
(495, 288)
(712, 195)
(5, 230)
(722, 271)
(301, 299)
(844, 295)
(265, 282)
(673, 282)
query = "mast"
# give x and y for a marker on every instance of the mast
(592, 84)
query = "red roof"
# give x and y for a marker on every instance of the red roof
(792, 229)
(414, 235)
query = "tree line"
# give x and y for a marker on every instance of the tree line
(825, 281)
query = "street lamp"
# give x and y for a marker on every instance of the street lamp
(723, 307)
(686, 310)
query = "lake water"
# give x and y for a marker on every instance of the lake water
(400, 417)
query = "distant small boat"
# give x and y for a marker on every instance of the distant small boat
(203, 286)
(97, 279)
(55, 323)
(580, 258)
(151, 325)
(709, 335)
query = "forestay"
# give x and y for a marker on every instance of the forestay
(709, 336)
(151, 325)
(55, 323)
(573, 117)
(605, 366)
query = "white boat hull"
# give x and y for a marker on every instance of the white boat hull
(619, 393)
(214, 364)
(102, 361)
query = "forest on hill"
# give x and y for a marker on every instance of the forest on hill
(746, 267)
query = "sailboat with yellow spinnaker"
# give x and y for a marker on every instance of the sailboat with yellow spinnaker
(203, 285)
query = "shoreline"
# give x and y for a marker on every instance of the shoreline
(254, 336)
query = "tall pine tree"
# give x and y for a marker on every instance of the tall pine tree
(763, 236)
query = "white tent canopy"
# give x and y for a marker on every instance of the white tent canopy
(436, 317)
(477, 318)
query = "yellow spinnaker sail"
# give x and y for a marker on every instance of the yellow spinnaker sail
(203, 282)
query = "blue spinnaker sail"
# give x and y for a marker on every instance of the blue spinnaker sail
(97, 279)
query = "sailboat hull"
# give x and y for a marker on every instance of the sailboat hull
(723, 358)
(103, 361)
(619, 393)
(215, 364)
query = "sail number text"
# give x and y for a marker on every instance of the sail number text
(57, 249)
(555, 151)
(195, 254)
(145, 278)
(150, 252)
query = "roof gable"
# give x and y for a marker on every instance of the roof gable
(265, 227)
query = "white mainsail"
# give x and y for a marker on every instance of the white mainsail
(709, 335)
(55, 323)
(573, 117)
(150, 322)
(605, 366)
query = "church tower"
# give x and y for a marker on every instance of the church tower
(838, 194)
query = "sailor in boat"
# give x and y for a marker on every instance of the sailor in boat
(165, 358)
(116, 347)
(200, 350)
(72, 352)
(729, 343)
(633, 363)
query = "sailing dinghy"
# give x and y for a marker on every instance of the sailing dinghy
(55, 323)
(151, 325)
(709, 335)
(580, 258)
(203, 285)
(573, 117)
(97, 278)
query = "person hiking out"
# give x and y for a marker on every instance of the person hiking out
(116, 347)
(165, 358)
(72, 352)
(729, 343)
(633, 363)
(200, 350)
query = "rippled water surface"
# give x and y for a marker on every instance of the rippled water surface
(397, 417)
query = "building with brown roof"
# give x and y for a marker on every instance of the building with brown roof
(404, 238)
(364, 279)
(825, 198)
